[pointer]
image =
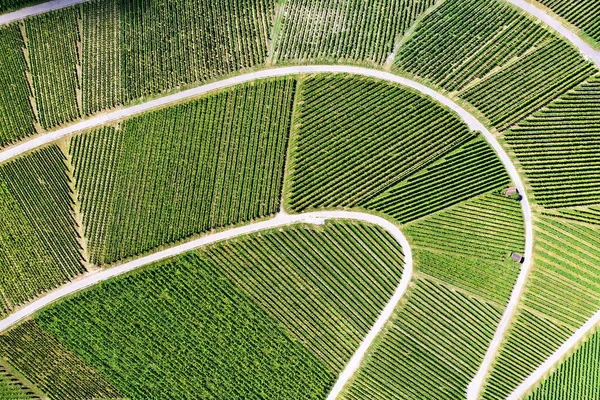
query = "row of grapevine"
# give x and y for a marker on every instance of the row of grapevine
(56, 370)
(13, 388)
(462, 41)
(470, 170)
(356, 137)
(531, 82)
(590, 215)
(559, 148)
(585, 14)
(38, 241)
(51, 41)
(430, 348)
(469, 245)
(16, 113)
(576, 378)
(268, 313)
(562, 292)
(173, 173)
(354, 30)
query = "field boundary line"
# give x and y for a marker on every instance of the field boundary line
(558, 356)
(42, 8)
(540, 14)
(473, 123)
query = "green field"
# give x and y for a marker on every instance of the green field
(577, 377)
(560, 295)
(348, 30)
(268, 313)
(164, 176)
(585, 14)
(12, 388)
(39, 247)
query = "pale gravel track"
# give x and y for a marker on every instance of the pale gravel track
(281, 219)
(37, 9)
(558, 356)
(472, 122)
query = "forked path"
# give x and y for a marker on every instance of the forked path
(476, 385)
(281, 219)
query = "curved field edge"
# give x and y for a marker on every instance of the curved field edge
(280, 221)
(471, 121)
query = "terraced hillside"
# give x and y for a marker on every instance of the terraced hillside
(164, 176)
(291, 330)
(577, 377)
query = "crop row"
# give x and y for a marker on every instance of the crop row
(11, 388)
(356, 137)
(469, 245)
(559, 147)
(432, 346)
(584, 14)
(461, 41)
(38, 240)
(471, 170)
(356, 30)
(51, 41)
(257, 314)
(590, 215)
(16, 114)
(576, 378)
(169, 174)
(561, 294)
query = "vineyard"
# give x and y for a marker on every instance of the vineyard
(16, 114)
(354, 30)
(434, 343)
(291, 348)
(11, 388)
(38, 241)
(585, 14)
(559, 147)
(381, 133)
(560, 295)
(164, 176)
(577, 377)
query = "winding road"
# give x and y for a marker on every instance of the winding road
(279, 220)
(472, 122)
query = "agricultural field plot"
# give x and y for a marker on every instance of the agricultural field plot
(559, 148)
(11, 388)
(348, 30)
(432, 346)
(16, 114)
(265, 313)
(576, 378)
(353, 138)
(584, 14)
(51, 41)
(560, 295)
(39, 247)
(161, 177)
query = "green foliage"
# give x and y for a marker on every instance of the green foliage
(10, 5)
(577, 378)
(52, 46)
(357, 137)
(461, 41)
(585, 14)
(16, 114)
(470, 170)
(431, 348)
(559, 148)
(173, 173)
(590, 215)
(38, 241)
(562, 292)
(12, 388)
(57, 371)
(356, 30)
(325, 285)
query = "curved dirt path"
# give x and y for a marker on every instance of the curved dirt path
(476, 385)
(37, 9)
(584, 48)
(556, 358)
(279, 220)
